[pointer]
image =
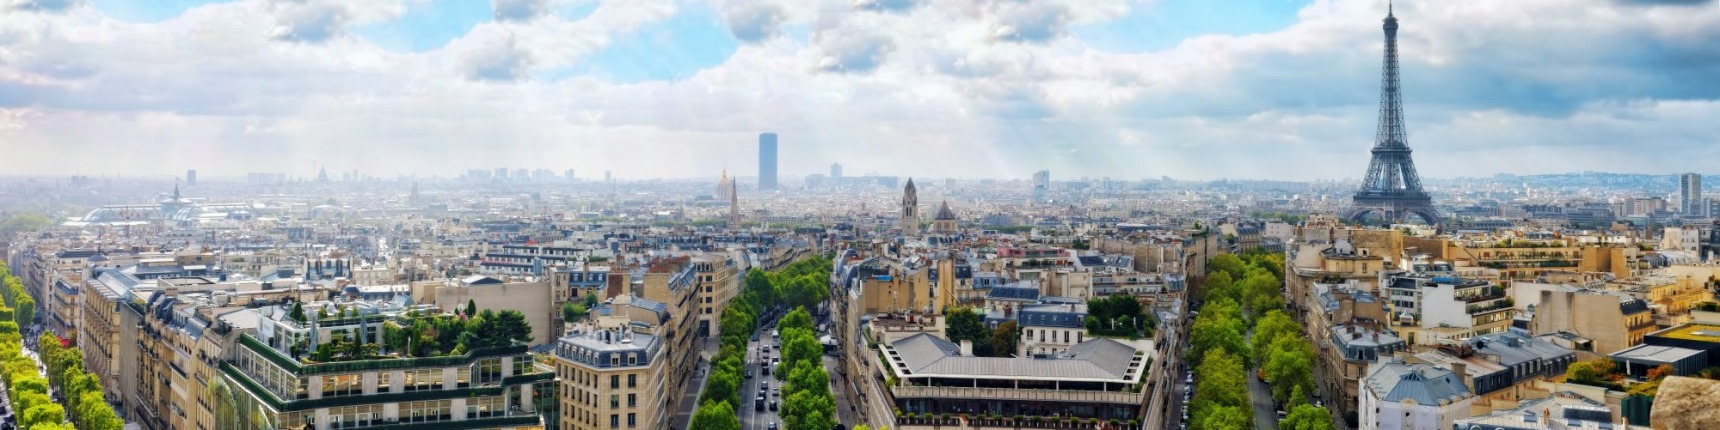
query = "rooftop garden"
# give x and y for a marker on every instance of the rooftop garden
(417, 335)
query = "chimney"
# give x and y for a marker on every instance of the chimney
(1462, 371)
(967, 348)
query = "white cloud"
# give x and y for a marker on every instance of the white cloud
(923, 88)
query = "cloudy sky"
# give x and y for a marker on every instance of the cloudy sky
(945, 88)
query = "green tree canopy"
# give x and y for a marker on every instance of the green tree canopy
(1307, 417)
(717, 415)
(964, 324)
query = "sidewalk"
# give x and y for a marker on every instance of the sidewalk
(683, 418)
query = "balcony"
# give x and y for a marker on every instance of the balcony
(1072, 396)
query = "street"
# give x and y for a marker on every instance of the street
(1260, 396)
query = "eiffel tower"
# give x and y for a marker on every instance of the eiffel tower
(1391, 191)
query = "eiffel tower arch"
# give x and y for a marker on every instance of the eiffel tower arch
(1391, 191)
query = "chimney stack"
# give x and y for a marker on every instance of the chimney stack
(967, 348)
(1462, 371)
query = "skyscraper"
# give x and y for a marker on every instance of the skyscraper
(1690, 194)
(835, 170)
(191, 178)
(1041, 184)
(767, 161)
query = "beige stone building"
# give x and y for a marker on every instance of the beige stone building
(534, 298)
(610, 379)
(1608, 321)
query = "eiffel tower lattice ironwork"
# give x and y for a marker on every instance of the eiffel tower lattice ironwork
(1392, 190)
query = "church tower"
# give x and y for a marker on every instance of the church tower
(910, 209)
(734, 203)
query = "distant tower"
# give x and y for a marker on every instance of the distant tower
(570, 177)
(945, 222)
(734, 204)
(414, 196)
(1392, 190)
(191, 178)
(835, 170)
(322, 174)
(767, 161)
(1690, 195)
(910, 209)
(1041, 184)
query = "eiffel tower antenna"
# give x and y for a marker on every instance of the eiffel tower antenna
(1392, 189)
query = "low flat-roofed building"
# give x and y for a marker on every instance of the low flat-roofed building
(1092, 379)
(1688, 348)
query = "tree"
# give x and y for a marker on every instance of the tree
(1218, 327)
(510, 325)
(1596, 371)
(1307, 417)
(799, 318)
(1004, 339)
(1227, 263)
(49, 413)
(717, 415)
(298, 312)
(572, 312)
(591, 301)
(471, 307)
(1218, 285)
(759, 286)
(1269, 328)
(964, 324)
(1291, 365)
(1225, 418)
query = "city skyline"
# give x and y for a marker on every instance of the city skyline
(1125, 89)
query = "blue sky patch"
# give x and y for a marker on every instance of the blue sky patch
(694, 39)
(148, 11)
(1164, 25)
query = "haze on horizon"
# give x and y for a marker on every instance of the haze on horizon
(1192, 89)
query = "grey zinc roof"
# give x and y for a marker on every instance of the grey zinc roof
(1514, 349)
(927, 355)
(1427, 385)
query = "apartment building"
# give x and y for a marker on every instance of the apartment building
(719, 279)
(1605, 321)
(1433, 307)
(1501, 369)
(1398, 395)
(1346, 352)
(1048, 330)
(483, 388)
(673, 282)
(611, 379)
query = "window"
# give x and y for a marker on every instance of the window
(424, 379)
(614, 401)
(632, 421)
(382, 381)
(614, 420)
(632, 400)
(632, 381)
(488, 371)
(484, 407)
(614, 381)
(342, 385)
